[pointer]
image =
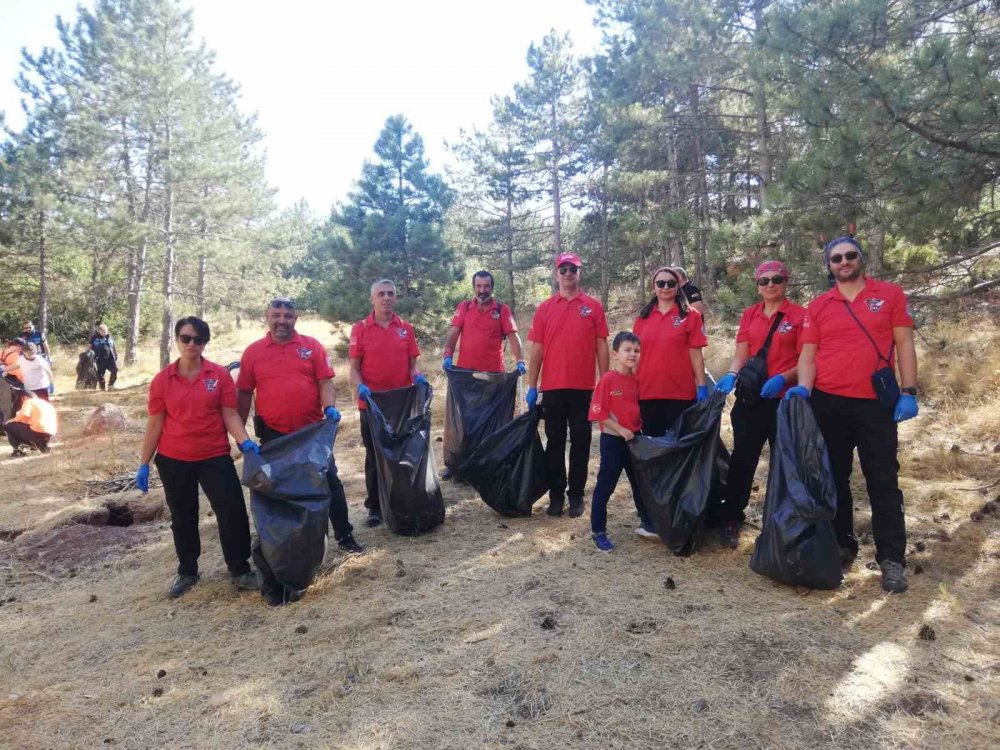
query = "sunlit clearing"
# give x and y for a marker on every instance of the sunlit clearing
(874, 676)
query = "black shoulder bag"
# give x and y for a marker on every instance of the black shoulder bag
(884, 378)
(753, 375)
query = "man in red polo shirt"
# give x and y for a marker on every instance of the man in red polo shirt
(383, 354)
(293, 381)
(847, 335)
(568, 337)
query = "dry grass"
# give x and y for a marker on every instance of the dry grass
(503, 633)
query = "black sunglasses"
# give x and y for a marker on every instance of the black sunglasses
(849, 255)
(665, 283)
(776, 280)
(563, 270)
(283, 302)
(196, 340)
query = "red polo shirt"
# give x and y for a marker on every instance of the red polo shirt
(286, 378)
(193, 429)
(665, 364)
(618, 394)
(784, 352)
(483, 332)
(569, 330)
(384, 352)
(845, 358)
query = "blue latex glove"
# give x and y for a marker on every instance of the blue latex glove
(799, 391)
(726, 383)
(420, 378)
(531, 397)
(249, 446)
(773, 387)
(702, 393)
(446, 364)
(521, 367)
(332, 414)
(142, 478)
(364, 391)
(906, 408)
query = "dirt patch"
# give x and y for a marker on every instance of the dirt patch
(69, 548)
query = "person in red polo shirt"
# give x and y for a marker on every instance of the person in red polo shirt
(383, 352)
(568, 336)
(192, 403)
(756, 421)
(857, 328)
(294, 387)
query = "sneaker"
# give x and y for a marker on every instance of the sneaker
(730, 535)
(893, 577)
(181, 585)
(646, 531)
(245, 581)
(555, 508)
(18, 453)
(602, 542)
(847, 557)
(350, 544)
(373, 519)
(576, 507)
(446, 474)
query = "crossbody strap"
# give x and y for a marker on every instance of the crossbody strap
(870, 338)
(770, 334)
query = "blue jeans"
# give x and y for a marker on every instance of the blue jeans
(614, 458)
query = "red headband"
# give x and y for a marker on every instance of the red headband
(768, 266)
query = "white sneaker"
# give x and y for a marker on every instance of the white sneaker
(646, 533)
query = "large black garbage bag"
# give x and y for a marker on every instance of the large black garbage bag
(408, 490)
(679, 473)
(478, 404)
(290, 503)
(797, 544)
(507, 468)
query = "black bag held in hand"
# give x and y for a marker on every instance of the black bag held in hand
(884, 378)
(753, 374)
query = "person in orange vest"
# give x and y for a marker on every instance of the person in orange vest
(33, 426)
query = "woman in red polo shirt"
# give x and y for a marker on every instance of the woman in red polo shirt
(756, 421)
(192, 403)
(672, 369)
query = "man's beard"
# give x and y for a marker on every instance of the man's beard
(851, 276)
(484, 297)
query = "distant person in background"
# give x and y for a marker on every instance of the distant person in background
(30, 335)
(32, 426)
(102, 343)
(36, 372)
(691, 292)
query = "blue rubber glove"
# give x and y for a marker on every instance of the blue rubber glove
(446, 364)
(521, 367)
(726, 383)
(420, 378)
(773, 387)
(906, 408)
(799, 391)
(702, 393)
(332, 414)
(142, 478)
(249, 446)
(531, 397)
(364, 391)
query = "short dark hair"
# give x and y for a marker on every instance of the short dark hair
(483, 275)
(624, 337)
(199, 325)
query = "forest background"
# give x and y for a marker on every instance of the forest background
(704, 133)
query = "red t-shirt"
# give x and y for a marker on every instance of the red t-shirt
(568, 329)
(618, 394)
(784, 352)
(286, 378)
(845, 358)
(665, 362)
(483, 332)
(385, 353)
(193, 429)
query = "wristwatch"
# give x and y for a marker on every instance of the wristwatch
(910, 390)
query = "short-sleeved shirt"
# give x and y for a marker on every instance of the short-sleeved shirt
(9, 359)
(385, 353)
(103, 347)
(286, 378)
(692, 292)
(666, 340)
(34, 372)
(35, 337)
(845, 358)
(784, 352)
(618, 394)
(39, 415)
(568, 329)
(483, 332)
(193, 429)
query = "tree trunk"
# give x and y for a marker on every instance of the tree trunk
(605, 248)
(701, 197)
(509, 252)
(876, 250)
(43, 276)
(556, 199)
(135, 272)
(202, 273)
(760, 108)
(674, 244)
(169, 259)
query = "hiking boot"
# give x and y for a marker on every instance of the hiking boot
(646, 531)
(576, 507)
(350, 544)
(245, 581)
(847, 557)
(373, 519)
(555, 508)
(893, 577)
(729, 536)
(181, 585)
(446, 474)
(602, 542)
(18, 453)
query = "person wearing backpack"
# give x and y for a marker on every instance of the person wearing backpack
(102, 344)
(852, 338)
(762, 370)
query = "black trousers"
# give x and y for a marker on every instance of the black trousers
(217, 477)
(566, 409)
(371, 470)
(615, 458)
(338, 498)
(107, 365)
(849, 423)
(18, 434)
(752, 427)
(659, 414)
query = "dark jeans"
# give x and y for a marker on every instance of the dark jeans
(16, 395)
(566, 408)
(107, 365)
(614, 458)
(18, 434)
(217, 477)
(752, 427)
(849, 423)
(371, 470)
(659, 414)
(338, 498)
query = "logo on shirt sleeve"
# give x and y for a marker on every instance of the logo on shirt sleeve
(585, 311)
(595, 408)
(874, 304)
(805, 321)
(211, 384)
(353, 341)
(401, 332)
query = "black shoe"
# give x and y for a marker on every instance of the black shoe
(18, 453)
(847, 557)
(373, 519)
(576, 507)
(893, 577)
(555, 508)
(446, 474)
(730, 535)
(350, 544)
(181, 585)
(245, 581)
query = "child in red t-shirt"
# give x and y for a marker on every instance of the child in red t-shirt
(615, 405)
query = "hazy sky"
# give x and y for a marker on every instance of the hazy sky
(324, 74)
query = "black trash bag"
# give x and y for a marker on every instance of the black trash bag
(290, 503)
(679, 474)
(408, 490)
(797, 544)
(478, 404)
(508, 468)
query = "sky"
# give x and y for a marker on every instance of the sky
(323, 75)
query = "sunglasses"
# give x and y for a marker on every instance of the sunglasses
(283, 302)
(776, 280)
(196, 340)
(563, 270)
(665, 283)
(849, 255)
